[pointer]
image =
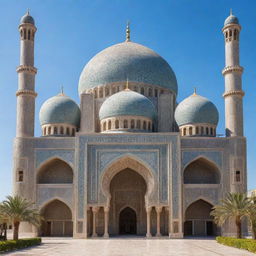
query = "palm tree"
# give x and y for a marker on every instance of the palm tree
(17, 209)
(251, 213)
(234, 206)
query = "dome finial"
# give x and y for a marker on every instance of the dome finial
(61, 91)
(127, 85)
(194, 91)
(231, 12)
(28, 11)
(128, 38)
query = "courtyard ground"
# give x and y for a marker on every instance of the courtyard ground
(130, 247)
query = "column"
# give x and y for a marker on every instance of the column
(148, 235)
(94, 216)
(106, 218)
(158, 215)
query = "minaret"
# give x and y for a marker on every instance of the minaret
(26, 79)
(233, 78)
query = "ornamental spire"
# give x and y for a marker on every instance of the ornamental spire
(194, 94)
(127, 85)
(231, 12)
(128, 38)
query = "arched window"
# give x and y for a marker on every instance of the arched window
(190, 130)
(150, 92)
(109, 124)
(49, 130)
(184, 131)
(117, 124)
(132, 124)
(226, 34)
(207, 131)
(68, 131)
(211, 131)
(149, 126)
(156, 92)
(138, 124)
(230, 33)
(73, 131)
(61, 130)
(55, 130)
(44, 131)
(235, 32)
(28, 34)
(104, 126)
(202, 130)
(106, 91)
(21, 33)
(125, 124)
(197, 130)
(101, 93)
(25, 34)
(144, 125)
(135, 88)
(142, 90)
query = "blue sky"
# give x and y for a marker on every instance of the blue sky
(186, 33)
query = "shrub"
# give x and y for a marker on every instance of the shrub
(11, 245)
(247, 244)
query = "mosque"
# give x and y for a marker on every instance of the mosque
(128, 159)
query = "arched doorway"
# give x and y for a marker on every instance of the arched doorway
(201, 171)
(127, 206)
(55, 171)
(198, 221)
(127, 222)
(57, 219)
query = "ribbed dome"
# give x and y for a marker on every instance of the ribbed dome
(127, 103)
(60, 109)
(196, 109)
(127, 60)
(27, 19)
(231, 19)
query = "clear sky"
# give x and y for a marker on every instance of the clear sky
(187, 33)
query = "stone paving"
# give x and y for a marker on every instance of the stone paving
(130, 247)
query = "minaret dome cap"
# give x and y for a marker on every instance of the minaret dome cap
(231, 19)
(27, 18)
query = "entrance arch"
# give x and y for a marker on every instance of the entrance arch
(57, 219)
(198, 221)
(127, 221)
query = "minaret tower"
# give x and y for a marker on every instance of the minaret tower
(233, 78)
(26, 79)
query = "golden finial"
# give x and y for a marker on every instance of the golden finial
(194, 91)
(128, 38)
(127, 85)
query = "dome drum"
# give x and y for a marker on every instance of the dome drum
(126, 124)
(198, 130)
(142, 88)
(58, 129)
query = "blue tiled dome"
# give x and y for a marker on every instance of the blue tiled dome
(27, 19)
(127, 60)
(60, 109)
(127, 103)
(196, 109)
(231, 19)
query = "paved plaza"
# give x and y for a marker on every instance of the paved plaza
(130, 247)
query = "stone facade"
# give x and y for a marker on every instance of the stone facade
(156, 182)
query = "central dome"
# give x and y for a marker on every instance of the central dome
(127, 60)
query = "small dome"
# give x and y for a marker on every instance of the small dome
(196, 109)
(27, 19)
(135, 61)
(127, 103)
(60, 109)
(231, 19)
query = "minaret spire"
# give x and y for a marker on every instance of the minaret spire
(128, 38)
(231, 12)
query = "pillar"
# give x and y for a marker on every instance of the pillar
(94, 216)
(158, 220)
(148, 210)
(106, 218)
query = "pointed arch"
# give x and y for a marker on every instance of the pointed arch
(57, 218)
(201, 170)
(55, 171)
(119, 164)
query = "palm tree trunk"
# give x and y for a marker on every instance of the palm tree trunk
(253, 230)
(16, 225)
(238, 227)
